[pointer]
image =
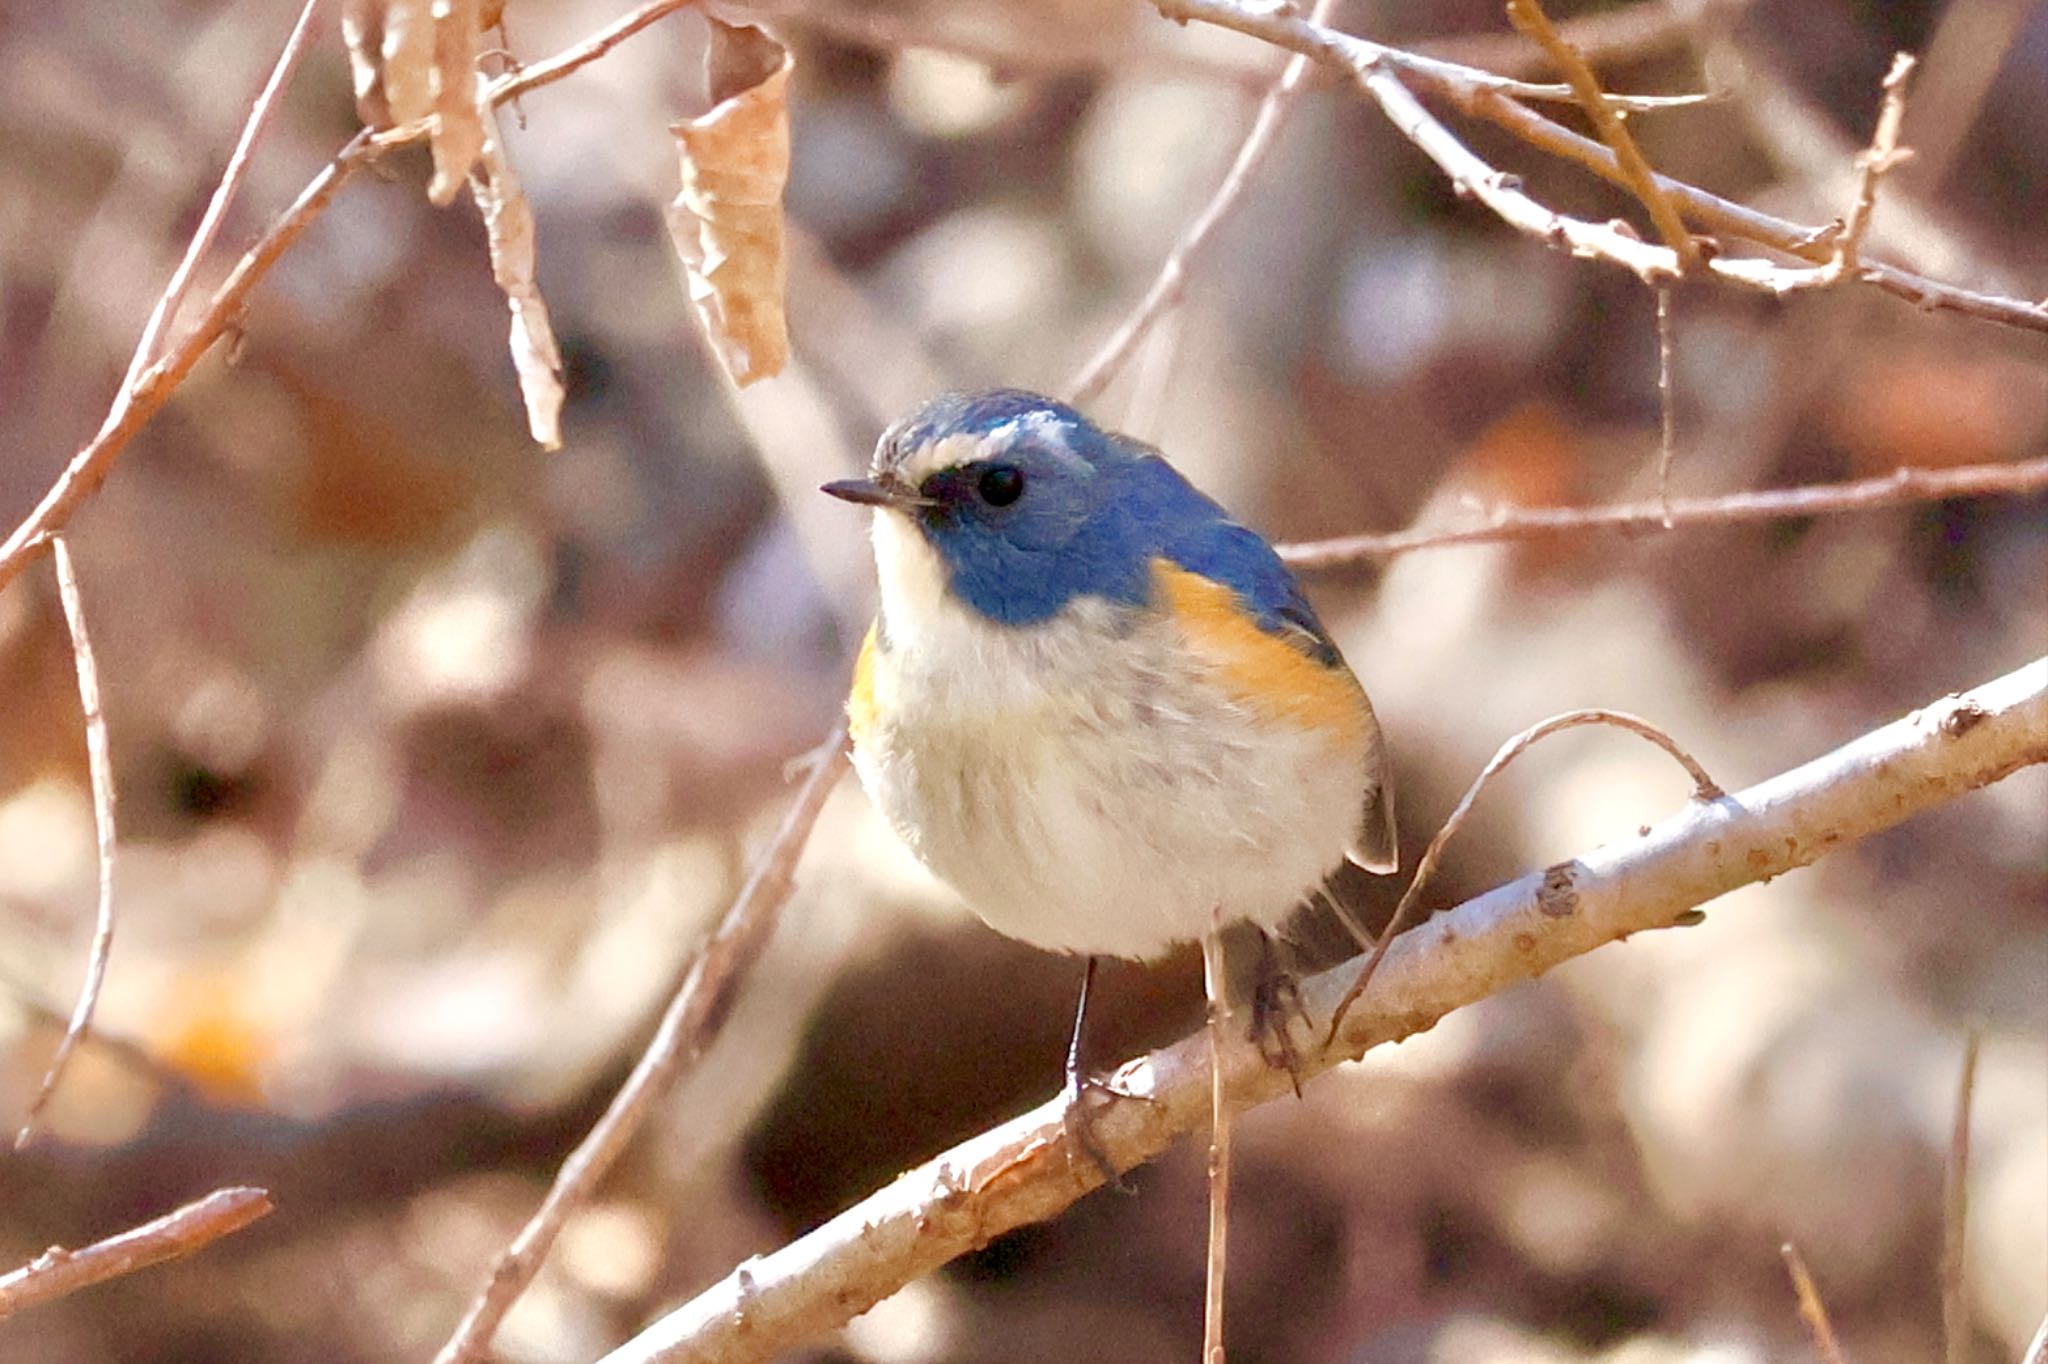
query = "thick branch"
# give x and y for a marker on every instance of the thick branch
(1021, 1172)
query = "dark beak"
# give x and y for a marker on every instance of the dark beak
(884, 492)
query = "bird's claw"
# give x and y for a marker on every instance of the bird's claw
(1276, 1003)
(1079, 1122)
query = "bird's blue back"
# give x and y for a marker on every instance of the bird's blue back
(1097, 510)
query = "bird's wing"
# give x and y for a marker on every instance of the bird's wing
(1246, 608)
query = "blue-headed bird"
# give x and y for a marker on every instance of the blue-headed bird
(1092, 702)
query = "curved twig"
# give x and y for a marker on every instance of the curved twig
(100, 763)
(1704, 788)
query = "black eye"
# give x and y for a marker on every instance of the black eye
(1000, 484)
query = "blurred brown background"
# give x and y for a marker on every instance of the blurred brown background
(435, 754)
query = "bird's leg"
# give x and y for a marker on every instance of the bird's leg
(1276, 1003)
(1080, 1084)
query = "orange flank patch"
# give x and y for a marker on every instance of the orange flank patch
(860, 703)
(1259, 667)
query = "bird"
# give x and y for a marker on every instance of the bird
(1092, 702)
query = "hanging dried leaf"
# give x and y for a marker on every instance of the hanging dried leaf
(458, 122)
(412, 59)
(727, 221)
(362, 32)
(408, 58)
(508, 220)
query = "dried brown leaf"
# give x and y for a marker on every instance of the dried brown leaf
(407, 53)
(727, 221)
(458, 126)
(508, 221)
(362, 32)
(412, 59)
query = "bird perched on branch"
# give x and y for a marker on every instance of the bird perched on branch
(1092, 703)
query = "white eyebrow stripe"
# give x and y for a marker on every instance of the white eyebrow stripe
(1046, 432)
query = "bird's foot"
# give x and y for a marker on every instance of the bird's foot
(1276, 1004)
(1079, 1120)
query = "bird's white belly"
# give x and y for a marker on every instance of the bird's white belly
(1087, 786)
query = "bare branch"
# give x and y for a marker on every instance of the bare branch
(1624, 35)
(100, 763)
(1897, 488)
(1172, 279)
(1811, 1307)
(1704, 788)
(1740, 221)
(58, 1272)
(1376, 69)
(512, 86)
(1528, 16)
(1883, 154)
(1276, 22)
(1021, 1172)
(231, 176)
(693, 1019)
(140, 400)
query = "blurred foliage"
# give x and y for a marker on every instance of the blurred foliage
(435, 754)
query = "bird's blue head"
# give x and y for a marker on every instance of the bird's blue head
(1026, 504)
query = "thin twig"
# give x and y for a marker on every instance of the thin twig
(1503, 195)
(1955, 1214)
(1667, 404)
(1874, 163)
(1007, 55)
(1704, 789)
(693, 1018)
(1374, 67)
(1811, 1307)
(1171, 282)
(1812, 157)
(1279, 24)
(142, 400)
(231, 176)
(138, 402)
(100, 763)
(1603, 37)
(1020, 1172)
(1528, 16)
(58, 1272)
(2037, 1348)
(529, 78)
(1219, 1148)
(160, 320)
(1731, 219)
(1900, 487)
